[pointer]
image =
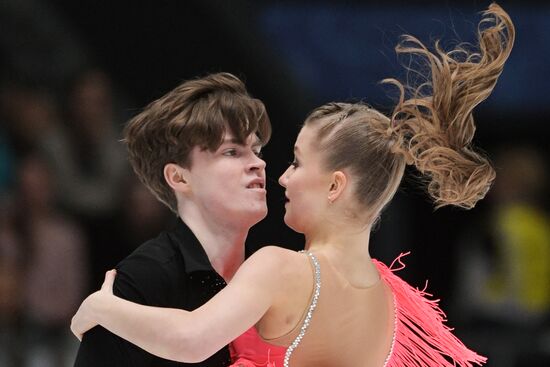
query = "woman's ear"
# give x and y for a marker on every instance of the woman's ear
(175, 177)
(337, 185)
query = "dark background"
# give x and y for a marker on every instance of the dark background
(294, 56)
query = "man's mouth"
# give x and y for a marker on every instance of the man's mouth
(256, 184)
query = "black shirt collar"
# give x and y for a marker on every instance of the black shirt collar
(194, 256)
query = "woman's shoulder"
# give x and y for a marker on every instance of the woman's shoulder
(275, 254)
(272, 268)
(276, 258)
(275, 250)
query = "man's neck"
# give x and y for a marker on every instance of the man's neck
(223, 242)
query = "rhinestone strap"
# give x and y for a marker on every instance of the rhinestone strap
(312, 306)
(390, 353)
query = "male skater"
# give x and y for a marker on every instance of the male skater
(198, 150)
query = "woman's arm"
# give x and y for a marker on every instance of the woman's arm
(190, 336)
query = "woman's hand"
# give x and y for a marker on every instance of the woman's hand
(84, 318)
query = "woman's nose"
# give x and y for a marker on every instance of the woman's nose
(284, 178)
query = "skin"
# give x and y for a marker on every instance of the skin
(333, 225)
(232, 171)
(259, 292)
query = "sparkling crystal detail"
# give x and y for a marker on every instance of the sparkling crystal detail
(312, 306)
(394, 332)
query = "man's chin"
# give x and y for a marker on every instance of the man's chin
(247, 216)
(258, 216)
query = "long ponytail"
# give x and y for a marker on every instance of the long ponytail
(433, 128)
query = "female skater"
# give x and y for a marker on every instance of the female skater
(333, 305)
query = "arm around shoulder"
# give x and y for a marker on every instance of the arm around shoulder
(99, 346)
(239, 306)
(194, 336)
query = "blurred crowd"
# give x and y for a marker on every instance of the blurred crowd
(503, 264)
(70, 209)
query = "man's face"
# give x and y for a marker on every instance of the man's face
(229, 183)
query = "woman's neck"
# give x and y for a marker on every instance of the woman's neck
(338, 234)
(347, 249)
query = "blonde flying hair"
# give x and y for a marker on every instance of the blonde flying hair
(431, 127)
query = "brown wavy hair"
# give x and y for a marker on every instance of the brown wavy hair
(431, 127)
(196, 113)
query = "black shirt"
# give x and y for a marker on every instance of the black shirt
(171, 270)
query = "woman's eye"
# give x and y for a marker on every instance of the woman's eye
(294, 163)
(259, 154)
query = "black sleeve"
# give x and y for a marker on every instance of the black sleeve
(100, 347)
(139, 279)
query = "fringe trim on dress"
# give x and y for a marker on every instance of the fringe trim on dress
(421, 339)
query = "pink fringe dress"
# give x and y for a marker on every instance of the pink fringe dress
(420, 336)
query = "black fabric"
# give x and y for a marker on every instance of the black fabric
(171, 270)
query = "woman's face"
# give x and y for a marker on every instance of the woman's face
(307, 184)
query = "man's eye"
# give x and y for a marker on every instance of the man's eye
(259, 154)
(230, 152)
(294, 163)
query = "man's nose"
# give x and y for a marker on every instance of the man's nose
(257, 164)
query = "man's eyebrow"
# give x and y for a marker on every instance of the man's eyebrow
(232, 141)
(255, 143)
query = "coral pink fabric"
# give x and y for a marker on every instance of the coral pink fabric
(249, 350)
(421, 339)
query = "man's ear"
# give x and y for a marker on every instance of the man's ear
(175, 177)
(337, 185)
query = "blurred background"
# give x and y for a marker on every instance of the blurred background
(72, 73)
